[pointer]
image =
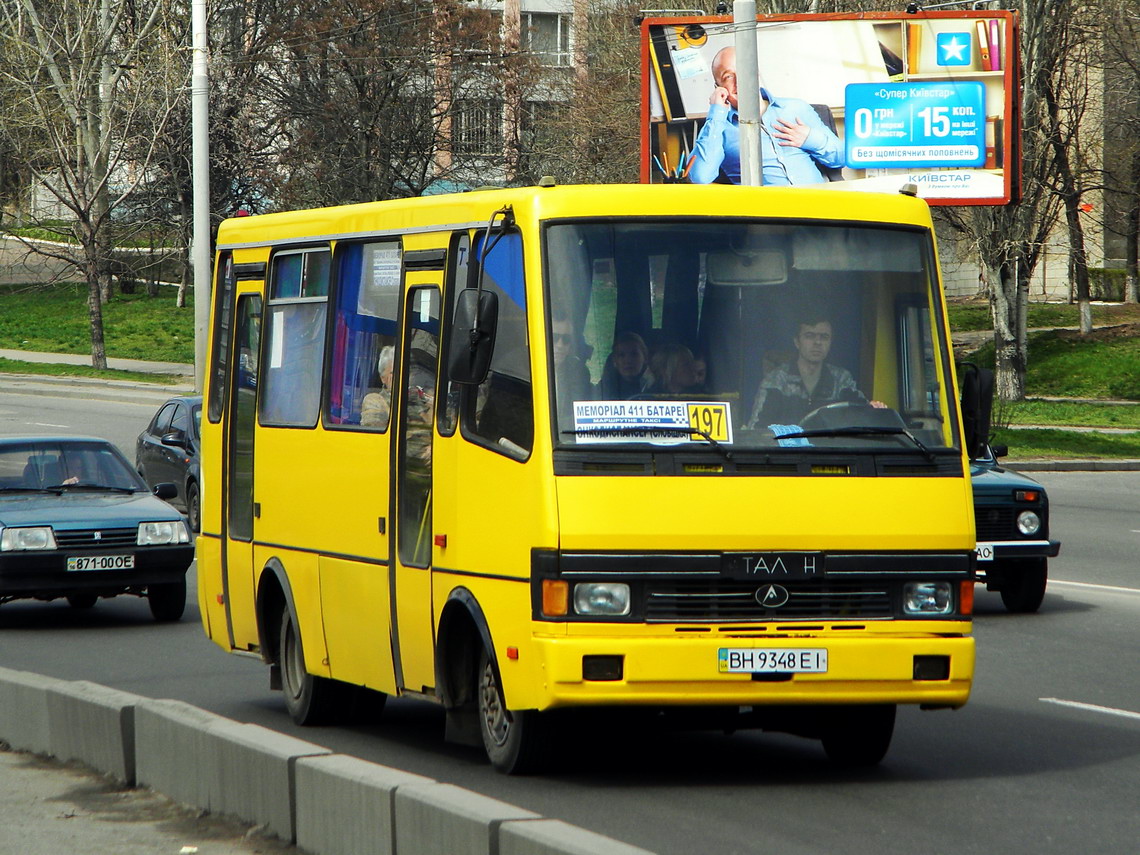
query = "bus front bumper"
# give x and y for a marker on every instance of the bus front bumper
(930, 670)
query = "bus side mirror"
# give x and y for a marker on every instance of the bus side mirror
(977, 404)
(472, 336)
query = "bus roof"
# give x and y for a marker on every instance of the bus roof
(473, 209)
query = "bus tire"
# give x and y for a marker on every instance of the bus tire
(167, 601)
(859, 735)
(1023, 583)
(515, 741)
(311, 700)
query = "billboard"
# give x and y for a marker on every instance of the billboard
(864, 101)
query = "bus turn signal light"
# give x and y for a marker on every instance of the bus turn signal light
(966, 598)
(555, 597)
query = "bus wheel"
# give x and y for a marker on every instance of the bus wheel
(167, 601)
(1023, 583)
(514, 741)
(859, 736)
(310, 699)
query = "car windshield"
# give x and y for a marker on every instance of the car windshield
(65, 465)
(747, 334)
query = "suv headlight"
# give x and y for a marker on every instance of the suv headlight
(162, 533)
(1028, 523)
(610, 599)
(928, 598)
(18, 539)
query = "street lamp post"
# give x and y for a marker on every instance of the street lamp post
(200, 170)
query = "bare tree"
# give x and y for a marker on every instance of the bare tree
(1009, 240)
(1120, 31)
(590, 132)
(87, 75)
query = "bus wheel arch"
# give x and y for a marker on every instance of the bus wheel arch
(462, 634)
(274, 596)
(470, 685)
(310, 699)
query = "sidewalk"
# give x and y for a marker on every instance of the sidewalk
(49, 808)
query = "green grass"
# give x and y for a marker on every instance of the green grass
(1045, 442)
(1067, 413)
(18, 366)
(1068, 366)
(973, 315)
(54, 320)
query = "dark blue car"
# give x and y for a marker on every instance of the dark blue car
(169, 451)
(77, 521)
(1011, 515)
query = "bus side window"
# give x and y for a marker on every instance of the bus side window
(295, 335)
(458, 273)
(503, 405)
(364, 330)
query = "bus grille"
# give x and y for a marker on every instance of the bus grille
(726, 600)
(87, 539)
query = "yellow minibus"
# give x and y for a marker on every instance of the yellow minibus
(525, 451)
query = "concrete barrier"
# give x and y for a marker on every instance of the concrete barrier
(217, 764)
(436, 818)
(555, 837)
(24, 710)
(94, 725)
(328, 804)
(347, 806)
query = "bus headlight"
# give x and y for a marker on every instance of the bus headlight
(928, 598)
(19, 539)
(1028, 523)
(162, 533)
(608, 599)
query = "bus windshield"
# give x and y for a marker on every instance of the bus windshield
(734, 335)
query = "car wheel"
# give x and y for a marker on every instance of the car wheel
(1023, 583)
(515, 741)
(193, 507)
(167, 600)
(82, 601)
(311, 700)
(860, 735)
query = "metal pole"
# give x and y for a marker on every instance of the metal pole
(200, 169)
(748, 91)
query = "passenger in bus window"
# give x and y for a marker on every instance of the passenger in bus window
(376, 405)
(626, 372)
(571, 376)
(674, 371)
(797, 387)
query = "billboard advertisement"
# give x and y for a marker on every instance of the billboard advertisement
(867, 101)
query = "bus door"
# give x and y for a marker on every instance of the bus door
(238, 509)
(412, 464)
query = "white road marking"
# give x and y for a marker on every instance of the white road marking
(1092, 708)
(1115, 588)
(46, 424)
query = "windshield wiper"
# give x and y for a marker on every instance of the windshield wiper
(55, 490)
(93, 488)
(726, 452)
(862, 431)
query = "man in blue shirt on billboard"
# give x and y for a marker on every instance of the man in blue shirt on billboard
(794, 141)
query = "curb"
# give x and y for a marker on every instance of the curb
(1124, 465)
(124, 391)
(309, 796)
